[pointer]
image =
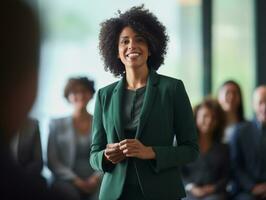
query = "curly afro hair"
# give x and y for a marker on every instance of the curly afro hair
(143, 22)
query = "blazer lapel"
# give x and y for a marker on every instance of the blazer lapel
(117, 102)
(70, 131)
(149, 98)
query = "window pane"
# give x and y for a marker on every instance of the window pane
(233, 46)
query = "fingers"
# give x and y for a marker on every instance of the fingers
(128, 146)
(113, 145)
(116, 152)
(113, 153)
(131, 147)
(127, 141)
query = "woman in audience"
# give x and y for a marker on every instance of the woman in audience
(69, 144)
(230, 98)
(206, 178)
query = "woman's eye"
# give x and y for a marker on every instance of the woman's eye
(124, 42)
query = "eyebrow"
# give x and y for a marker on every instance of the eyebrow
(125, 37)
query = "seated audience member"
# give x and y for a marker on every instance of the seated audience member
(19, 61)
(249, 147)
(230, 99)
(206, 178)
(69, 144)
(26, 147)
(19, 56)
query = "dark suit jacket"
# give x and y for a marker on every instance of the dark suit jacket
(166, 113)
(246, 155)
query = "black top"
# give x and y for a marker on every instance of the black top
(211, 167)
(132, 104)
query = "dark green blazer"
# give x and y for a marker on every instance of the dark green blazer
(166, 113)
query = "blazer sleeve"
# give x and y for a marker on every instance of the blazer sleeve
(99, 140)
(186, 137)
(54, 163)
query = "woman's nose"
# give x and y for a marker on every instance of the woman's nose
(132, 44)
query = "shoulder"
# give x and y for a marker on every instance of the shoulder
(59, 122)
(32, 121)
(166, 81)
(244, 126)
(30, 127)
(245, 130)
(107, 89)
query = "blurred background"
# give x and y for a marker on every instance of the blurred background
(210, 41)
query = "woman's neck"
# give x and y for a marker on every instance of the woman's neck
(81, 114)
(136, 78)
(205, 142)
(231, 118)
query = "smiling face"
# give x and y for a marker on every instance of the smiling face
(79, 97)
(205, 120)
(132, 49)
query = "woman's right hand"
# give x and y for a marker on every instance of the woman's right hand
(113, 154)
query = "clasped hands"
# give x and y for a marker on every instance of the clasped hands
(116, 152)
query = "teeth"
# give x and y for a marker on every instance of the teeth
(133, 55)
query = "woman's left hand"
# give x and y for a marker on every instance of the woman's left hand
(134, 148)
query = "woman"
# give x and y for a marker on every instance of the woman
(69, 143)
(230, 98)
(137, 118)
(206, 178)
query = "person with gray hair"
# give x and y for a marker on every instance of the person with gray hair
(249, 149)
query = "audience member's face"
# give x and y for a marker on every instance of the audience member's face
(205, 120)
(229, 98)
(259, 103)
(79, 97)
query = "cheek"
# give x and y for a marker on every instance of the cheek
(237, 100)
(262, 108)
(227, 99)
(120, 52)
(201, 124)
(222, 100)
(71, 98)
